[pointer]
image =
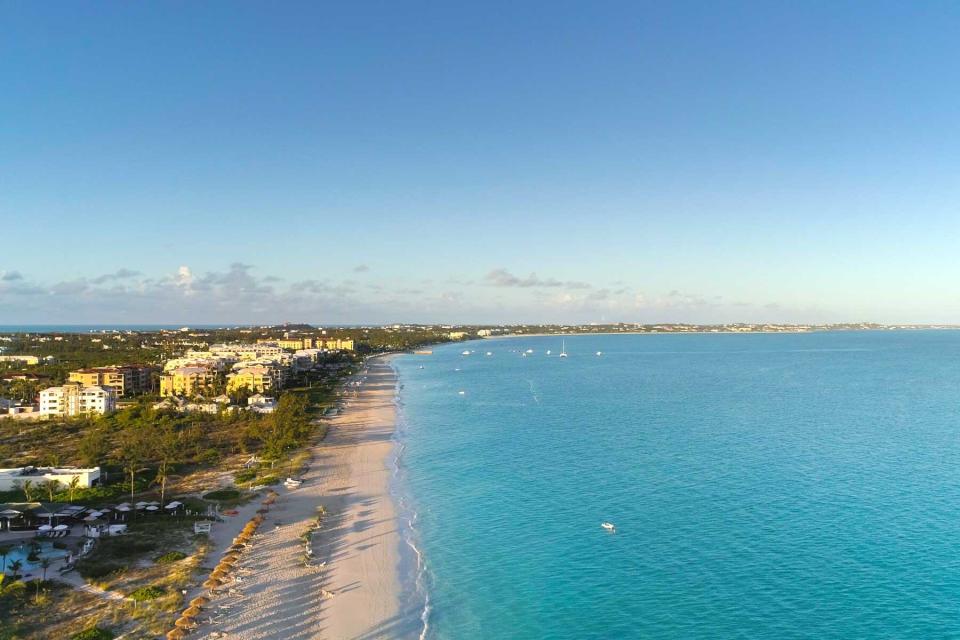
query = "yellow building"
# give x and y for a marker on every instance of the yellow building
(23, 359)
(256, 379)
(187, 381)
(125, 380)
(335, 344)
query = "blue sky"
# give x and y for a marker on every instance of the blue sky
(484, 162)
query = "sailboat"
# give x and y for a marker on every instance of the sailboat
(563, 349)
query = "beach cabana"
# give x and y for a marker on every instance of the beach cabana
(176, 634)
(6, 515)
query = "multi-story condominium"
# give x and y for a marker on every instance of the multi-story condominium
(199, 359)
(335, 344)
(187, 381)
(257, 379)
(74, 399)
(245, 351)
(127, 379)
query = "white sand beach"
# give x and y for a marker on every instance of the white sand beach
(350, 589)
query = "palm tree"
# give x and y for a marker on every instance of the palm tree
(28, 490)
(44, 564)
(73, 486)
(4, 551)
(16, 565)
(51, 487)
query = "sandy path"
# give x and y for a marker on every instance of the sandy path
(350, 591)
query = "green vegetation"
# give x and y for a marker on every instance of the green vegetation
(93, 633)
(150, 592)
(170, 557)
(223, 495)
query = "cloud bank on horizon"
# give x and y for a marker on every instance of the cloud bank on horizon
(242, 294)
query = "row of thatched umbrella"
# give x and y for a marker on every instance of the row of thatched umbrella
(218, 577)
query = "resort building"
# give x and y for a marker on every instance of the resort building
(126, 380)
(321, 342)
(335, 344)
(74, 399)
(256, 379)
(11, 479)
(241, 351)
(187, 381)
(199, 359)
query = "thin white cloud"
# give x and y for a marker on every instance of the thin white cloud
(504, 278)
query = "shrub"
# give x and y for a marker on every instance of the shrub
(150, 592)
(210, 457)
(92, 570)
(170, 557)
(268, 480)
(93, 633)
(222, 494)
(245, 475)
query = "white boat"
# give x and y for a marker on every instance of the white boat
(529, 351)
(599, 353)
(549, 352)
(465, 353)
(608, 526)
(563, 349)
(463, 393)
(489, 353)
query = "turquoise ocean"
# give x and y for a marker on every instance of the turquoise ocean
(762, 486)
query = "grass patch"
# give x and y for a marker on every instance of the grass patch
(170, 557)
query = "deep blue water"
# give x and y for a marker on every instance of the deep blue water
(763, 486)
(95, 328)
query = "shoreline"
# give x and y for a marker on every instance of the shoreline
(351, 588)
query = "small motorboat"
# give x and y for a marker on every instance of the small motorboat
(462, 393)
(599, 353)
(529, 351)
(465, 353)
(608, 526)
(548, 351)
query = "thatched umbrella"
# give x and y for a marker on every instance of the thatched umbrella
(199, 601)
(191, 612)
(237, 547)
(212, 583)
(176, 634)
(229, 559)
(218, 574)
(185, 623)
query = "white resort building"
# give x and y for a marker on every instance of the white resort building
(10, 479)
(74, 399)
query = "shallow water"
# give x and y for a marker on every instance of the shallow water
(763, 486)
